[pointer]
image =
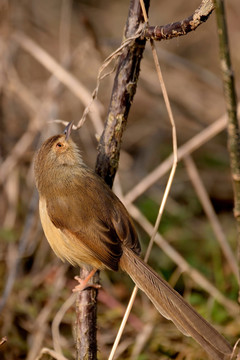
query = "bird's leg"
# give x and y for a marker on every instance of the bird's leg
(83, 283)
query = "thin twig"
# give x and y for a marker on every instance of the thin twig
(174, 142)
(123, 323)
(209, 210)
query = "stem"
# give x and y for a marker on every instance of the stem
(86, 320)
(231, 103)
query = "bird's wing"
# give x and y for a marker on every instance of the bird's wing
(91, 213)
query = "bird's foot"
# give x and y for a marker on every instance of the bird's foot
(83, 283)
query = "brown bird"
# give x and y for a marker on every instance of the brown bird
(87, 225)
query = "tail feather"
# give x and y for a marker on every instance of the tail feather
(173, 307)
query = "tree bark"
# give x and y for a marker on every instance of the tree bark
(180, 28)
(124, 89)
(86, 320)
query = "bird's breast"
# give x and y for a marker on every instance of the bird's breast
(64, 243)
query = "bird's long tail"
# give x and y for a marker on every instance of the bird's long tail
(173, 307)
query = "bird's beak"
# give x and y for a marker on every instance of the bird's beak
(68, 130)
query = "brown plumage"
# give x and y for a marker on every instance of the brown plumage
(87, 225)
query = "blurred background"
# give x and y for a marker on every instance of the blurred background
(34, 284)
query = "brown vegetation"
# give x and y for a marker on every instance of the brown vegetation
(50, 53)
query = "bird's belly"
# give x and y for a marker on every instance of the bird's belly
(63, 246)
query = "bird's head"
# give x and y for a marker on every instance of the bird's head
(57, 153)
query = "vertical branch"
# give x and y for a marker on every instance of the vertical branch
(86, 320)
(231, 102)
(124, 89)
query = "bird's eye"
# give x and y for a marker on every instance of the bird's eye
(59, 144)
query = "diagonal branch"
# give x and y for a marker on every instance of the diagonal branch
(210, 212)
(180, 28)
